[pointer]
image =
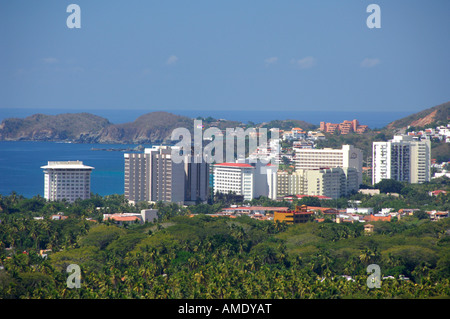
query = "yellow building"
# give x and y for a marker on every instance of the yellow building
(299, 215)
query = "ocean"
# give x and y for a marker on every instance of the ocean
(20, 164)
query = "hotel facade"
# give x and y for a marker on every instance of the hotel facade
(403, 159)
(249, 180)
(67, 180)
(153, 176)
(346, 157)
(330, 182)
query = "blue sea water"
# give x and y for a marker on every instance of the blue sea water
(20, 164)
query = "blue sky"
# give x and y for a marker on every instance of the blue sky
(225, 55)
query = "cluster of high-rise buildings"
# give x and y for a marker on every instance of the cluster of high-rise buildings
(154, 176)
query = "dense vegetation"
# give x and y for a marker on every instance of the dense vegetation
(41, 127)
(206, 257)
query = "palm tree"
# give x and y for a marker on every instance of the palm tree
(367, 255)
(13, 197)
(34, 233)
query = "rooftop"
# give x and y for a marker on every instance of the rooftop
(316, 196)
(256, 208)
(66, 165)
(235, 165)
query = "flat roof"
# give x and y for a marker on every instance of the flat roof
(124, 218)
(235, 165)
(66, 165)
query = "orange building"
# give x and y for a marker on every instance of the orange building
(345, 127)
(373, 218)
(300, 215)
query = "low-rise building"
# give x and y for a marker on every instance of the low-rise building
(437, 215)
(360, 210)
(370, 192)
(58, 216)
(349, 218)
(437, 192)
(295, 133)
(299, 215)
(377, 217)
(255, 212)
(146, 215)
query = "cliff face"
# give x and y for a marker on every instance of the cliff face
(430, 118)
(432, 115)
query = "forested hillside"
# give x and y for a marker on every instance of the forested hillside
(205, 257)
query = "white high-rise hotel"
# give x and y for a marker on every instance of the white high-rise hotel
(69, 180)
(403, 159)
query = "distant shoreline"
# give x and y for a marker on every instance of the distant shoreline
(138, 148)
(374, 119)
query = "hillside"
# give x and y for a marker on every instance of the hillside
(287, 125)
(436, 114)
(41, 127)
(201, 257)
(154, 127)
(89, 128)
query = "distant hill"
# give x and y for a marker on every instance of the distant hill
(41, 127)
(289, 124)
(439, 113)
(155, 127)
(150, 128)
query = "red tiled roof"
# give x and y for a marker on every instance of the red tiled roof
(438, 213)
(377, 218)
(438, 192)
(124, 218)
(257, 208)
